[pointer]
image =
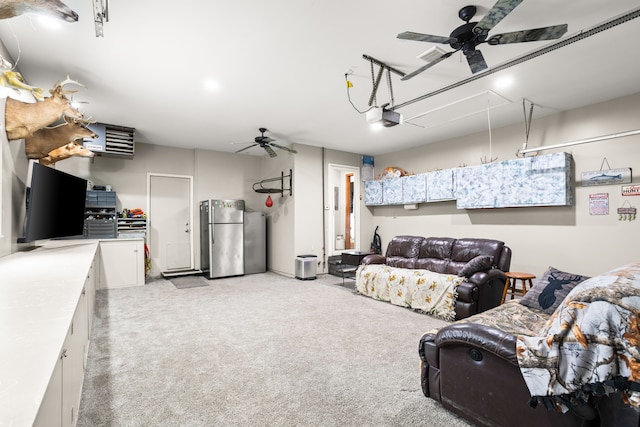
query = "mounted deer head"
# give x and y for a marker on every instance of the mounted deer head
(22, 119)
(12, 8)
(66, 151)
(45, 140)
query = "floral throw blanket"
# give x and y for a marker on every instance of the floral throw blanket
(422, 290)
(589, 346)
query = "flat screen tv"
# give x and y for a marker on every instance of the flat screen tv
(55, 204)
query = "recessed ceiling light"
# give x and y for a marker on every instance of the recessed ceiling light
(211, 85)
(503, 82)
(49, 22)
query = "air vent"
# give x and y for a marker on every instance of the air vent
(431, 54)
(112, 140)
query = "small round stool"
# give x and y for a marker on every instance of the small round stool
(511, 282)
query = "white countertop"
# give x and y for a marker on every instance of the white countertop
(39, 292)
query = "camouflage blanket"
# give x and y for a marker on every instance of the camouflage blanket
(422, 290)
(589, 346)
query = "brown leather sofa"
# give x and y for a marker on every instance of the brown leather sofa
(471, 368)
(481, 291)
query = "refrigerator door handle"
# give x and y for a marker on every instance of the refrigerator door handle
(211, 233)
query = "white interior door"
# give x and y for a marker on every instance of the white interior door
(170, 223)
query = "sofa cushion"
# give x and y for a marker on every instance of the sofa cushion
(464, 250)
(479, 263)
(436, 247)
(554, 285)
(511, 317)
(403, 251)
(435, 254)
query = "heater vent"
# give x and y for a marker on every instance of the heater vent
(112, 140)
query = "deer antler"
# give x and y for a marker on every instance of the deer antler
(82, 121)
(57, 87)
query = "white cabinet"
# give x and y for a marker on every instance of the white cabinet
(50, 412)
(47, 297)
(441, 185)
(122, 263)
(372, 193)
(544, 180)
(73, 363)
(61, 401)
(414, 188)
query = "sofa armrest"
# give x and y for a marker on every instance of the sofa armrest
(481, 277)
(374, 259)
(487, 338)
(467, 292)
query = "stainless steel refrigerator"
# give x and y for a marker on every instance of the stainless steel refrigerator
(255, 242)
(222, 238)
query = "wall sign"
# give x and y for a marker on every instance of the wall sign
(606, 177)
(599, 204)
(631, 190)
(627, 214)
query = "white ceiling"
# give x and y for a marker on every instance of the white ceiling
(281, 64)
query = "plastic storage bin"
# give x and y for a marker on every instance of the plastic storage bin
(306, 267)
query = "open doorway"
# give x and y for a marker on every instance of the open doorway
(343, 215)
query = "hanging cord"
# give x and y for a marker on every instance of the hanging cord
(349, 86)
(603, 162)
(491, 159)
(375, 81)
(527, 122)
(489, 124)
(15, 36)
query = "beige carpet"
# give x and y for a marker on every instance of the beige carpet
(258, 350)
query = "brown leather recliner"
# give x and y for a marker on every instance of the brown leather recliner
(481, 291)
(472, 369)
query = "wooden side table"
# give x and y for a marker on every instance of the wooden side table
(510, 284)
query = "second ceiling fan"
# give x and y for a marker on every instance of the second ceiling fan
(466, 37)
(267, 143)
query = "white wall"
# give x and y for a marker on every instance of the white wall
(308, 232)
(568, 238)
(216, 175)
(15, 166)
(280, 217)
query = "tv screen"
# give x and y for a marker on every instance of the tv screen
(55, 204)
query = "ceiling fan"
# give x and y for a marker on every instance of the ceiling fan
(469, 35)
(266, 143)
